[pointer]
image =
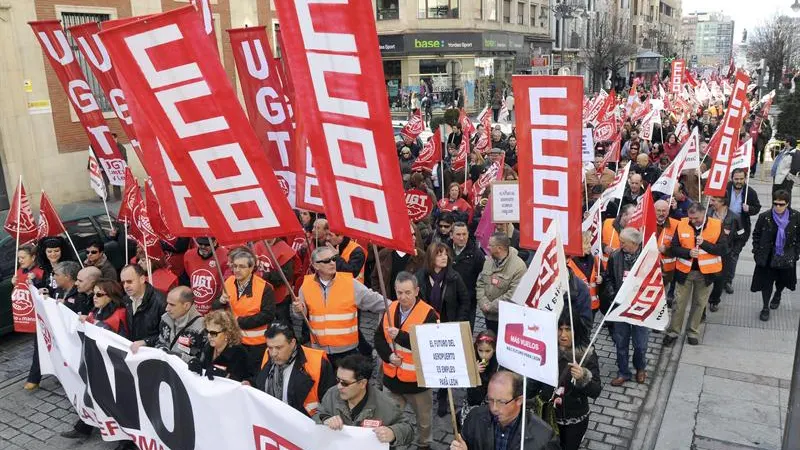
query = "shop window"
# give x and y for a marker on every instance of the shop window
(437, 9)
(520, 13)
(392, 75)
(71, 19)
(388, 9)
(491, 9)
(507, 11)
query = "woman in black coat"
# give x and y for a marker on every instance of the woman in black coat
(776, 248)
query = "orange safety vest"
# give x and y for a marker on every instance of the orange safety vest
(407, 372)
(610, 238)
(707, 262)
(665, 238)
(313, 367)
(591, 282)
(351, 246)
(333, 318)
(248, 306)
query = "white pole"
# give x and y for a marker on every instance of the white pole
(524, 407)
(73, 248)
(110, 222)
(571, 323)
(19, 214)
(594, 336)
(147, 260)
(127, 257)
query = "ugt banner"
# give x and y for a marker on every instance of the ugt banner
(62, 60)
(335, 66)
(192, 109)
(155, 401)
(549, 131)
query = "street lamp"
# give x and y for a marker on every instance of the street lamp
(568, 9)
(795, 6)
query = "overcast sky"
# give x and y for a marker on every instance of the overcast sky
(746, 13)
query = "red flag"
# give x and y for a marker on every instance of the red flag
(460, 161)
(690, 79)
(466, 124)
(644, 216)
(133, 211)
(49, 222)
(430, 155)
(493, 173)
(419, 204)
(341, 93)
(484, 143)
(267, 106)
(22, 308)
(65, 65)
(550, 131)
(203, 9)
(414, 127)
(206, 135)
(717, 182)
(606, 129)
(24, 224)
(130, 196)
(677, 75)
(155, 215)
(613, 153)
(608, 106)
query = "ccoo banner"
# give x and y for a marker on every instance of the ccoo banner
(153, 399)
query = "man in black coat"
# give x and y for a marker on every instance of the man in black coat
(742, 200)
(468, 262)
(144, 304)
(734, 232)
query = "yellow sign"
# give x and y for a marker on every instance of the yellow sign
(39, 104)
(27, 86)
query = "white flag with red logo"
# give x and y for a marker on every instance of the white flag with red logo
(414, 127)
(593, 224)
(648, 124)
(504, 114)
(719, 172)
(20, 217)
(641, 299)
(743, 155)
(616, 189)
(606, 129)
(493, 173)
(688, 158)
(49, 222)
(546, 281)
(95, 177)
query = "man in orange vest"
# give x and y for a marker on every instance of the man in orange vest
(611, 229)
(252, 302)
(296, 375)
(698, 246)
(665, 231)
(330, 300)
(394, 347)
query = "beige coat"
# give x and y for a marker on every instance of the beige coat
(496, 283)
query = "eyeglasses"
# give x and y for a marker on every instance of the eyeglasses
(445, 225)
(327, 260)
(213, 334)
(779, 204)
(346, 383)
(92, 252)
(497, 403)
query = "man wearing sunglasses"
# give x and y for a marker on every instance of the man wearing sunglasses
(330, 300)
(96, 256)
(495, 425)
(354, 402)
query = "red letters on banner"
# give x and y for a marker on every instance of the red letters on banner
(676, 77)
(550, 133)
(717, 182)
(68, 71)
(335, 65)
(267, 107)
(207, 136)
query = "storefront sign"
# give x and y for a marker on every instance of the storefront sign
(438, 43)
(391, 43)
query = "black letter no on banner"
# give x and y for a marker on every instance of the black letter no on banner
(151, 374)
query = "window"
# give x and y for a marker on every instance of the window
(437, 9)
(388, 9)
(507, 11)
(276, 29)
(520, 13)
(491, 8)
(70, 19)
(534, 18)
(558, 33)
(478, 11)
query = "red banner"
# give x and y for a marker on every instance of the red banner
(206, 136)
(460, 160)
(22, 306)
(414, 127)
(203, 9)
(133, 211)
(65, 65)
(549, 130)
(676, 77)
(717, 182)
(335, 64)
(606, 129)
(430, 155)
(49, 222)
(419, 204)
(21, 209)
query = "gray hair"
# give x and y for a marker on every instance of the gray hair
(631, 235)
(315, 254)
(404, 276)
(243, 253)
(501, 239)
(68, 268)
(185, 294)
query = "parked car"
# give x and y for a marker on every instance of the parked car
(83, 221)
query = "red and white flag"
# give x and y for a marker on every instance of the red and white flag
(20, 217)
(340, 93)
(95, 176)
(483, 144)
(648, 124)
(644, 216)
(64, 63)
(547, 279)
(133, 211)
(164, 63)
(719, 173)
(594, 224)
(267, 105)
(419, 204)
(203, 9)
(414, 127)
(493, 173)
(687, 159)
(641, 299)
(430, 155)
(613, 153)
(466, 124)
(607, 107)
(606, 129)
(595, 106)
(743, 156)
(49, 222)
(504, 114)
(677, 75)
(550, 131)
(616, 189)
(460, 160)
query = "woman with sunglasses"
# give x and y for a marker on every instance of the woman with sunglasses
(776, 248)
(109, 308)
(224, 355)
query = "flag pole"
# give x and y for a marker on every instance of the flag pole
(147, 259)
(110, 222)
(382, 284)
(19, 214)
(524, 407)
(127, 257)
(291, 290)
(586, 191)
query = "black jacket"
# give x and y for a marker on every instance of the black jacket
(575, 400)
(300, 382)
(356, 261)
(455, 296)
(764, 235)
(613, 277)
(478, 432)
(469, 264)
(649, 174)
(754, 206)
(231, 363)
(78, 302)
(734, 230)
(144, 323)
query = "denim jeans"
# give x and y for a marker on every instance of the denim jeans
(623, 332)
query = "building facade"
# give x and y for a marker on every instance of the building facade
(459, 51)
(40, 136)
(707, 39)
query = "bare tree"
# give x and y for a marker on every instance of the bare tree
(608, 48)
(776, 42)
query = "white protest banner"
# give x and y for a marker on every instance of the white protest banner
(445, 356)
(527, 342)
(587, 148)
(547, 280)
(153, 399)
(505, 201)
(742, 156)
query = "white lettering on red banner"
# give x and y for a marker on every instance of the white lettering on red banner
(729, 140)
(676, 77)
(207, 136)
(550, 133)
(334, 60)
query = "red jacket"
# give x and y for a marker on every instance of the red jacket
(204, 277)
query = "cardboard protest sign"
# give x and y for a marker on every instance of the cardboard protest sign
(505, 201)
(444, 355)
